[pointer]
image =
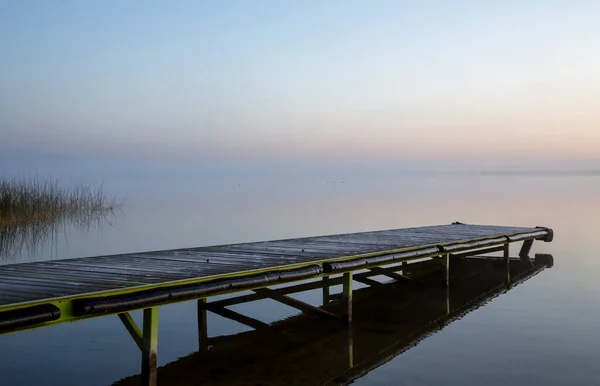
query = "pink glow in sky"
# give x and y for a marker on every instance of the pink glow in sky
(313, 79)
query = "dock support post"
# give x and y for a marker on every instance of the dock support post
(150, 347)
(506, 255)
(202, 326)
(446, 270)
(524, 252)
(347, 297)
(326, 294)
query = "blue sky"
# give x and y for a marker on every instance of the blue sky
(316, 79)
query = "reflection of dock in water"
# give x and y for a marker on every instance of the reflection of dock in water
(387, 320)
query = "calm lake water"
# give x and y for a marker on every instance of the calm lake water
(544, 331)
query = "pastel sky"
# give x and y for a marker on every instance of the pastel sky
(301, 78)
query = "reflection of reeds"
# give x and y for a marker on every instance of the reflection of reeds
(32, 211)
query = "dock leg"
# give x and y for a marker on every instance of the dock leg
(506, 255)
(202, 326)
(524, 252)
(150, 347)
(326, 293)
(347, 297)
(446, 260)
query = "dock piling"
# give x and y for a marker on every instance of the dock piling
(446, 261)
(202, 326)
(150, 347)
(347, 297)
(506, 256)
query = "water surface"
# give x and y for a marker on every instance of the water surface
(542, 332)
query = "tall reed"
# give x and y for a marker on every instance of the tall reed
(32, 209)
(29, 200)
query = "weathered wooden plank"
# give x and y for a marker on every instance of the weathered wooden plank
(237, 261)
(36, 292)
(356, 245)
(21, 294)
(192, 261)
(64, 282)
(106, 274)
(300, 249)
(143, 275)
(29, 291)
(58, 271)
(148, 267)
(238, 255)
(241, 249)
(12, 298)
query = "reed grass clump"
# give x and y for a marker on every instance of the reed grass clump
(34, 200)
(33, 210)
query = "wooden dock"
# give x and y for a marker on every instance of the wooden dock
(40, 294)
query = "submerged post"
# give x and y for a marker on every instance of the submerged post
(202, 326)
(347, 297)
(150, 347)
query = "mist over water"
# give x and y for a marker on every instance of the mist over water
(527, 336)
(183, 204)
